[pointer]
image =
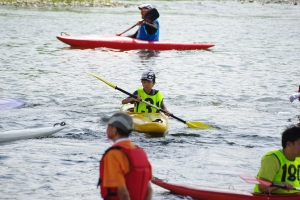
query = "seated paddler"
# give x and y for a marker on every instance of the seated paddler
(147, 93)
(148, 29)
(282, 166)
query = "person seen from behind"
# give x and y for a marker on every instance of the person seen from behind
(125, 171)
(282, 166)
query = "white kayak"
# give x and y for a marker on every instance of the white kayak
(8, 136)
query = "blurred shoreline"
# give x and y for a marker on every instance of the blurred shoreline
(107, 3)
(63, 3)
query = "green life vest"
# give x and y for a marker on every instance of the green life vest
(289, 172)
(155, 99)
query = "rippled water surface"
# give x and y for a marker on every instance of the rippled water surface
(240, 87)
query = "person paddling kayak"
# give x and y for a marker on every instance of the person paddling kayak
(148, 94)
(148, 29)
(282, 166)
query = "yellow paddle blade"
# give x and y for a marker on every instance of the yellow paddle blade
(197, 125)
(101, 79)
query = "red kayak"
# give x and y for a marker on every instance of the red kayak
(209, 193)
(126, 43)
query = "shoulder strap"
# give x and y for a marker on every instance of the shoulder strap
(111, 148)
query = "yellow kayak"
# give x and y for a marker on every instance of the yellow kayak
(147, 122)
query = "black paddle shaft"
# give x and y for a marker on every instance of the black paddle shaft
(136, 98)
(161, 110)
(282, 186)
(151, 15)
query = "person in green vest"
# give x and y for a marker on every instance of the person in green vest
(282, 166)
(147, 93)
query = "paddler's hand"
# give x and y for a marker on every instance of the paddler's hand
(140, 22)
(118, 34)
(136, 99)
(288, 186)
(294, 96)
(168, 113)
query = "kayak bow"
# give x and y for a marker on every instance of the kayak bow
(154, 123)
(12, 135)
(210, 193)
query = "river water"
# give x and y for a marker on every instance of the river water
(240, 87)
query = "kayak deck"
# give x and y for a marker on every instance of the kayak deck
(127, 43)
(155, 123)
(209, 193)
(13, 135)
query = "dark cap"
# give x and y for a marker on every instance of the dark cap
(146, 6)
(148, 75)
(119, 120)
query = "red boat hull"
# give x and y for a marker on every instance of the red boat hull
(208, 193)
(126, 43)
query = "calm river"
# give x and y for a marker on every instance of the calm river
(241, 87)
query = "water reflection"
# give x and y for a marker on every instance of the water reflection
(148, 53)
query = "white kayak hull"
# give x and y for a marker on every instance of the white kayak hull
(8, 136)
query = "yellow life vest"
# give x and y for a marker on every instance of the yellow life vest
(155, 99)
(289, 172)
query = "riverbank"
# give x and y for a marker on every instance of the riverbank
(62, 3)
(102, 3)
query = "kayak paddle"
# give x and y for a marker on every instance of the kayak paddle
(189, 124)
(254, 180)
(152, 15)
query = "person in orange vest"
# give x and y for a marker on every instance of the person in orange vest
(125, 171)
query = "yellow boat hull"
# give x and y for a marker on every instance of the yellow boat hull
(147, 122)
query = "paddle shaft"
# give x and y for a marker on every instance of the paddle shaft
(149, 104)
(127, 30)
(189, 124)
(283, 186)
